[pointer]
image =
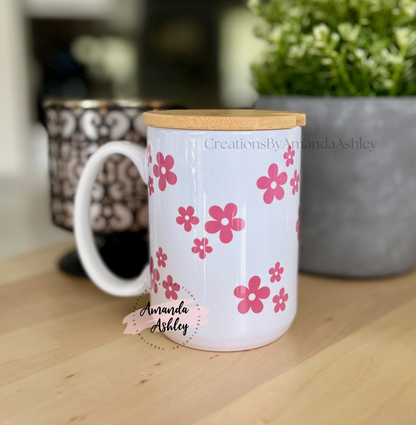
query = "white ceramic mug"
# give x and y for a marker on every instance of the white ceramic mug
(224, 219)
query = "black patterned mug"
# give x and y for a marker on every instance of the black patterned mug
(76, 129)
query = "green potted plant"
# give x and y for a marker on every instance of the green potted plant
(350, 65)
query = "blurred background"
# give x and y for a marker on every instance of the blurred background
(193, 52)
(344, 63)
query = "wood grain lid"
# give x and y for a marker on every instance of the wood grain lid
(224, 119)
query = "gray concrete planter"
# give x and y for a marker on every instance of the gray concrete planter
(358, 203)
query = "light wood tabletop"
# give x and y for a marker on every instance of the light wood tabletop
(349, 358)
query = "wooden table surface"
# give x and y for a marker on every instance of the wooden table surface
(349, 358)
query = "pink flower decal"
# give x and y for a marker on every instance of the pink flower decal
(252, 296)
(289, 155)
(280, 301)
(276, 273)
(154, 277)
(163, 171)
(295, 182)
(273, 184)
(149, 154)
(201, 247)
(187, 218)
(171, 288)
(151, 187)
(161, 258)
(224, 222)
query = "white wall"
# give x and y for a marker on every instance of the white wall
(69, 8)
(14, 88)
(239, 48)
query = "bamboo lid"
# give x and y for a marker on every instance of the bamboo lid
(224, 119)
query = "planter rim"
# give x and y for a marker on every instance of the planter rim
(361, 98)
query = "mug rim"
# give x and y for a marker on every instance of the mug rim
(98, 103)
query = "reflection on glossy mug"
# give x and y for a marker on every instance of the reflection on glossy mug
(224, 202)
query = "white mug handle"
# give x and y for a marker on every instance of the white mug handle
(91, 260)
